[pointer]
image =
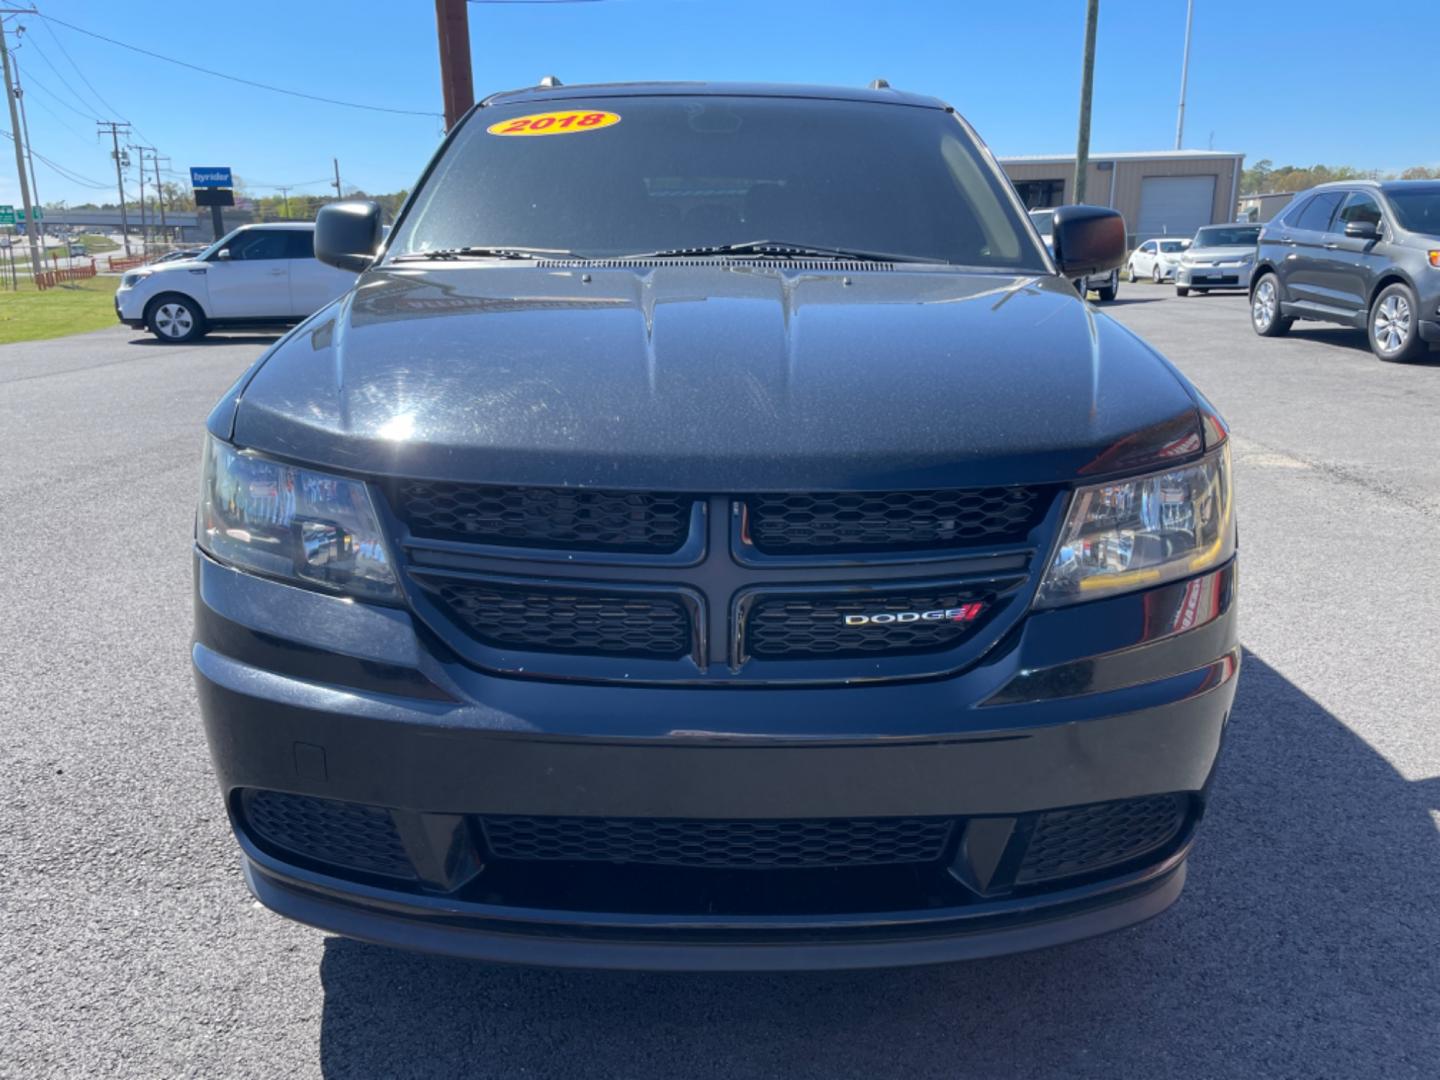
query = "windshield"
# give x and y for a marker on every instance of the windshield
(1231, 236)
(1418, 209)
(1044, 221)
(1171, 246)
(697, 172)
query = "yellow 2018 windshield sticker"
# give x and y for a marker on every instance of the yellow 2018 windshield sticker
(555, 123)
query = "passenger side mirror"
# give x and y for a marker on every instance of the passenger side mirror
(347, 234)
(1088, 240)
(223, 253)
(1362, 230)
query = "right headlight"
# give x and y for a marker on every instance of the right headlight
(300, 525)
(1142, 532)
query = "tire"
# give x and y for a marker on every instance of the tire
(1394, 325)
(175, 319)
(1130, 273)
(1265, 317)
(1182, 290)
(1155, 275)
(1108, 291)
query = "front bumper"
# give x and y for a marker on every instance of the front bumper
(127, 311)
(1215, 277)
(1121, 699)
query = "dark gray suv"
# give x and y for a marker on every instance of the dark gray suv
(1361, 253)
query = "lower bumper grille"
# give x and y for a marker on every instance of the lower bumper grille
(1089, 838)
(344, 834)
(774, 844)
(575, 621)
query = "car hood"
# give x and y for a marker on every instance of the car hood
(714, 378)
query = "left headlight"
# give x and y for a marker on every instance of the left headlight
(1138, 533)
(129, 281)
(306, 526)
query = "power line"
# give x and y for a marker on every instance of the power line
(56, 116)
(236, 78)
(61, 170)
(80, 71)
(30, 77)
(63, 81)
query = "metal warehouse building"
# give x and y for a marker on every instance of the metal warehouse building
(1162, 193)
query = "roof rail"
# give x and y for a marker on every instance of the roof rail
(879, 84)
(550, 80)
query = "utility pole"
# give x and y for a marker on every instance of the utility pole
(1184, 72)
(337, 176)
(115, 130)
(140, 164)
(31, 232)
(285, 194)
(1087, 82)
(159, 190)
(452, 22)
(29, 150)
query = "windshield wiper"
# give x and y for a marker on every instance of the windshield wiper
(483, 252)
(780, 249)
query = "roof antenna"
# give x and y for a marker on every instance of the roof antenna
(879, 84)
(550, 80)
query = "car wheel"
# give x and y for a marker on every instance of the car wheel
(1107, 291)
(1181, 290)
(1155, 275)
(1265, 314)
(1130, 273)
(1394, 329)
(175, 319)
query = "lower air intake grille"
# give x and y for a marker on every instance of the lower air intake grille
(774, 844)
(349, 835)
(570, 621)
(797, 627)
(839, 522)
(1086, 838)
(570, 518)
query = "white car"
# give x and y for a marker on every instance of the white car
(255, 275)
(1155, 259)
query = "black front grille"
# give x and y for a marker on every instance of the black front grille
(840, 522)
(564, 518)
(1089, 838)
(798, 627)
(770, 844)
(349, 835)
(569, 620)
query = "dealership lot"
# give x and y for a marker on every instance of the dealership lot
(1305, 944)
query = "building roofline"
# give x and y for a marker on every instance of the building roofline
(1124, 155)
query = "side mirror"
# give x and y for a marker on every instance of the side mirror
(223, 253)
(1088, 240)
(347, 234)
(1362, 230)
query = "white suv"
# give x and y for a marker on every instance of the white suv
(256, 275)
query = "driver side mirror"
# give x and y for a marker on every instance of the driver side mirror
(1362, 230)
(347, 234)
(223, 253)
(1088, 240)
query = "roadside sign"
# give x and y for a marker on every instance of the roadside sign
(20, 215)
(7, 215)
(208, 176)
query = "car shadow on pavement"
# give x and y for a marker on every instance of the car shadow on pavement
(1307, 943)
(213, 339)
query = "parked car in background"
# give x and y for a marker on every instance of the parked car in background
(257, 275)
(77, 251)
(1155, 259)
(1105, 285)
(1219, 257)
(1360, 253)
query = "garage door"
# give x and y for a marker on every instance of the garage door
(1175, 205)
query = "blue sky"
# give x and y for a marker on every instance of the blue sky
(1259, 82)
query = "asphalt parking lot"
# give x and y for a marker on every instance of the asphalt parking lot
(1307, 943)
